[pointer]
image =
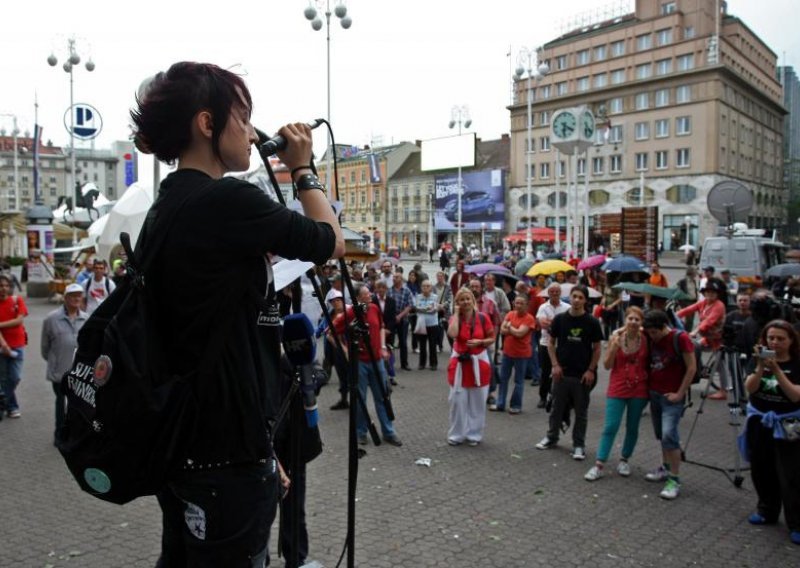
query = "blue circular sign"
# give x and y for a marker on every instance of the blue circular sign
(87, 120)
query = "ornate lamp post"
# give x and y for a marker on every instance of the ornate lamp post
(529, 56)
(459, 115)
(311, 13)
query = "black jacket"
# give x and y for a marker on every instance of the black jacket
(389, 312)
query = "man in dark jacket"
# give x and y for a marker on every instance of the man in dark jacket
(388, 309)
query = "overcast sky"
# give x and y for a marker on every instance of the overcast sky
(395, 74)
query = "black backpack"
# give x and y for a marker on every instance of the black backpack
(128, 421)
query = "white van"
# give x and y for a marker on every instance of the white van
(745, 255)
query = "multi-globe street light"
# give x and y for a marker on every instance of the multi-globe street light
(529, 56)
(73, 59)
(311, 13)
(459, 115)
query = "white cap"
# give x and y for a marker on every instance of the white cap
(74, 289)
(335, 294)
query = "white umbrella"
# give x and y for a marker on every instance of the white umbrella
(566, 288)
(96, 228)
(127, 216)
(686, 247)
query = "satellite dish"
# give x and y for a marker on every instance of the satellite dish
(729, 202)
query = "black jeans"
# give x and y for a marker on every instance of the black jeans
(220, 517)
(428, 342)
(298, 486)
(570, 390)
(546, 367)
(773, 466)
(61, 405)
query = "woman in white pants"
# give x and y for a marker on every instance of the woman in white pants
(469, 370)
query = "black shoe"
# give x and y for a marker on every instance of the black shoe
(541, 404)
(341, 405)
(392, 381)
(490, 400)
(406, 368)
(362, 440)
(393, 440)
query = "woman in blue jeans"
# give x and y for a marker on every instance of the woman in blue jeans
(627, 357)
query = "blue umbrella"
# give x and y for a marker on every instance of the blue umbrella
(625, 263)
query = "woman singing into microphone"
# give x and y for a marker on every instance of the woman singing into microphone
(213, 272)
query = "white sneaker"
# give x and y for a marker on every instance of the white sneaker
(659, 474)
(545, 444)
(579, 454)
(593, 474)
(671, 490)
(624, 469)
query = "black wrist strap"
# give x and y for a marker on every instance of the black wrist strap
(298, 168)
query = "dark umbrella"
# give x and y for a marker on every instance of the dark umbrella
(523, 266)
(672, 293)
(625, 263)
(784, 270)
(552, 255)
(508, 276)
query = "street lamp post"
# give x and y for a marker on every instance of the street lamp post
(415, 238)
(530, 56)
(15, 133)
(312, 14)
(459, 115)
(73, 59)
(688, 222)
(483, 238)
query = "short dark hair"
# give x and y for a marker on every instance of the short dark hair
(655, 319)
(165, 109)
(582, 289)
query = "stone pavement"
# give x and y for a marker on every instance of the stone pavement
(502, 503)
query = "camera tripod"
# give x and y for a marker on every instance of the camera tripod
(728, 360)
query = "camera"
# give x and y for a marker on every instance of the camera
(766, 354)
(464, 357)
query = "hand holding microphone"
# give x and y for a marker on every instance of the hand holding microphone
(292, 144)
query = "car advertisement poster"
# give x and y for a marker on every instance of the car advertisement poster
(482, 201)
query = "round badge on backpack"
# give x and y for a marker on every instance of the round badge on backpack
(102, 370)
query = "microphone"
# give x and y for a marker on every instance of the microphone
(270, 146)
(301, 350)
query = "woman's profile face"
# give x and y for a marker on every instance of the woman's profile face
(237, 139)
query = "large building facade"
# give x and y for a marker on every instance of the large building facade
(676, 113)
(791, 130)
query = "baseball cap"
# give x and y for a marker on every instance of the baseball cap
(73, 288)
(336, 295)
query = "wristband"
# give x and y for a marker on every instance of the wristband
(298, 168)
(308, 181)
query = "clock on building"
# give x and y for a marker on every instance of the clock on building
(564, 125)
(588, 124)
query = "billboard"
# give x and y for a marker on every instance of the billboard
(448, 153)
(482, 201)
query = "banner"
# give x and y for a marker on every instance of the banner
(37, 141)
(482, 201)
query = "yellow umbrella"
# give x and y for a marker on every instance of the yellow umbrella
(548, 267)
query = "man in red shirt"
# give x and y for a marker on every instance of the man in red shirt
(517, 328)
(671, 376)
(12, 343)
(368, 361)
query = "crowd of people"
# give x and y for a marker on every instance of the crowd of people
(551, 332)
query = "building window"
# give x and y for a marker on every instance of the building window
(643, 42)
(641, 161)
(681, 194)
(600, 80)
(599, 197)
(562, 198)
(615, 105)
(618, 48)
(683, 125)
(662, 128)
(599, 137)
(668, 8)
(664, 37)
(683, 94)
(582, 84)
(644, 71)
(642, 101)
(641, 130)
(597, 166)
(615, 135)
(581, 166)
(561, 62)
(353, 177)
(561, 169)
(617, 76)
(561, 88)
(688, 32)
(663, 66)
(544, 171)
(545, 91)
(363, 175)
(686, 62)
(582, 57)
(661, 159)
(683, 158)
(600, 53)
(532, 172)
(662, 97)
(544, 143)
(530, 143)
(544, 117)
(615, 164)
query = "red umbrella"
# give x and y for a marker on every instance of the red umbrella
(592, 261)
(538, 234)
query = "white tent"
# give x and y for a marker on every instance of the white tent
(127, 215)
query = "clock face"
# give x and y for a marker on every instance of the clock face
(564, 125)
(588, 125)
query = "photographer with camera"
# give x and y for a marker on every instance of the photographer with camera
(772, 433)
